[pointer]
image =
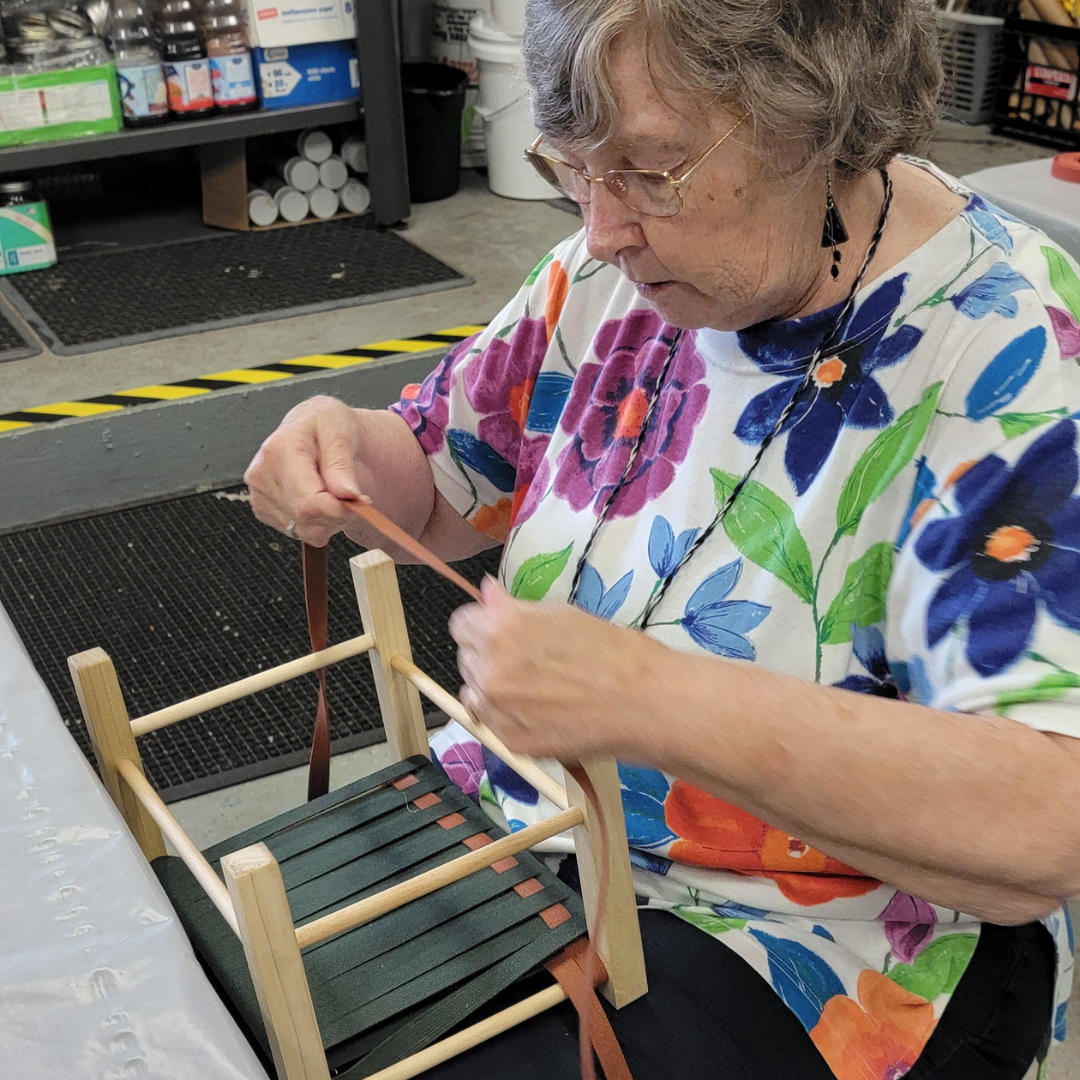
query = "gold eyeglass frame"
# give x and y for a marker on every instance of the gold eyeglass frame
(610, 178)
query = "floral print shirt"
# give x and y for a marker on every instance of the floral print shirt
(913, 532)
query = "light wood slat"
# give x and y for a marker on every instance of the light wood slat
(193, 858)
(212, 699)
(396, 896)
(526, 769)
(472, 1036)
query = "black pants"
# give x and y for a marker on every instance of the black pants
(708, 1015)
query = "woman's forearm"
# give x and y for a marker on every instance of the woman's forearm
(944, 805)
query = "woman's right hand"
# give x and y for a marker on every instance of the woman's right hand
(305, 471)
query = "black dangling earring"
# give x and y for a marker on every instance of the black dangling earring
(834, 232)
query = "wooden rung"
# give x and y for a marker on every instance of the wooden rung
(212, 699)
(363, 911)
(526, 769)
(472, 1036)
(193, 858)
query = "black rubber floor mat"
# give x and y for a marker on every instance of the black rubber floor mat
(102, 299)
(189, 594)
(14, 343)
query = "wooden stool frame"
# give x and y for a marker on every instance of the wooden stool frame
(252, 898)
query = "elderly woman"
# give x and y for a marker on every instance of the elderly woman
(783, 441)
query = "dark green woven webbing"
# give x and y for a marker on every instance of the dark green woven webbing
(306, 811)
(451, 1009)
(370, 979)
(375, 841)
(396, 984)
(376, 938)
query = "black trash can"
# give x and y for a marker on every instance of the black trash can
(434, 99)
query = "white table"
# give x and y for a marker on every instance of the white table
(1028, 191)
(97, 979)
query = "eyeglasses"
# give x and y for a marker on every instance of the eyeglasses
(655, 192)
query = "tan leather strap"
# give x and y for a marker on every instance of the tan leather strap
(316, 599)
(579, 971)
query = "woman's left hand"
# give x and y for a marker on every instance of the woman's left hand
(552, 681)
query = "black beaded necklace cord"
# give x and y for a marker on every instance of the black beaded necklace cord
(815, 361)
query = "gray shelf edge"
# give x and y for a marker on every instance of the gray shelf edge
(174, 135)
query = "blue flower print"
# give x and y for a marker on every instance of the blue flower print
(595, 599)
(912, 680)
(1013, 545)
(844, 389)
(802, 978)
(666, 550)
(550, 392)
(989, 221)
(643, 794)
(869, 648)
(718, 624)
(995, 291)
(467, 449)
(1006, 375)
(503, 779)
(646, 860)
(925, 482)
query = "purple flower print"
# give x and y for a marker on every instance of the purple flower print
(909, 925)
(463, 762)
(606, 410)
(1067, 332)
(499, 383)
(425, 407)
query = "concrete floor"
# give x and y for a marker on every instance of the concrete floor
(494, 240)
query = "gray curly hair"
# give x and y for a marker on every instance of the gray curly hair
(848, 82)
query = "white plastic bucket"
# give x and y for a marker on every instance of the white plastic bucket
(504, 105)
(509, 16)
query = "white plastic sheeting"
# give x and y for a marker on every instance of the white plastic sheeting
(97, 979)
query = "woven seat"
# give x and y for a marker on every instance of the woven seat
(361, 932)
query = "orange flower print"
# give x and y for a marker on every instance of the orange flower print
(558, 287)
(715, 833)
(493, 521)
(878, 1037)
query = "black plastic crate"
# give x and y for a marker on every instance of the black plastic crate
(1037, 95)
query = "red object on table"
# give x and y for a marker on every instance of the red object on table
(1066, 167)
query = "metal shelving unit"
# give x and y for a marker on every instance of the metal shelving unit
(173, 136)
(381, 109)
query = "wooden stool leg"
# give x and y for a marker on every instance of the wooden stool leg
(375, 578)
(107, 721)
(266, 928)
(619, 944)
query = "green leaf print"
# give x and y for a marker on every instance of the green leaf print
(1048, 688)
(710, 923)
(1063, 279)
(861, 599)
(487, 793)
(937, 969)
(539, 269)
(537, 574)
(1020, 423)
(883, 461)
(761, 525)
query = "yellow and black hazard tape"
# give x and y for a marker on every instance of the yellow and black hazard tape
(223, 380)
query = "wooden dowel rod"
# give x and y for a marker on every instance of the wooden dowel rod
(182, 710)
(193, 858)
(526, 769)
(472, 1036)
(363, 911)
